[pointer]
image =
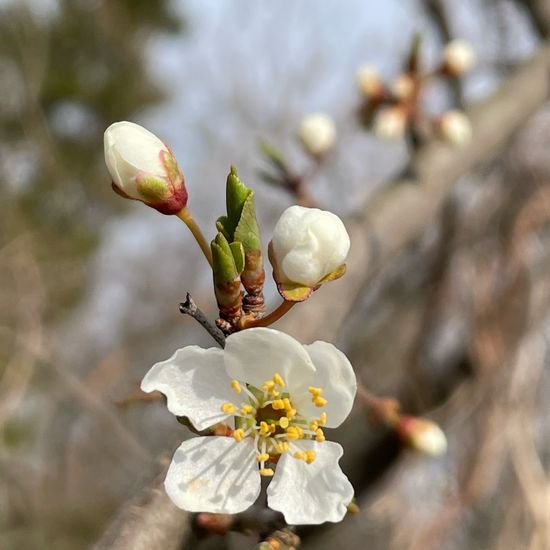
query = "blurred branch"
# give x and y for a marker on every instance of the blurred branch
(539, 12)
(150, 521)
(189, 307)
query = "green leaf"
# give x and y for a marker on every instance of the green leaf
(247, 231)
(223, 262)
(238, 255)
(236, 194)
(222, 226)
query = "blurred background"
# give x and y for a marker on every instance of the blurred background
(455, 325)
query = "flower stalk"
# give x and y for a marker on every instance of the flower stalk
(185, 216)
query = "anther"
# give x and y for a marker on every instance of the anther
(262, 457)
(264, 428)
(319, 401)
(238, 435)
(246, 409)
(278, 379)
(236, 386)
(278, 404)
(268, 472)
(228, 408)
(310, 456)
(300, 455)
(322, 419)
(319, 435)
(315, 392)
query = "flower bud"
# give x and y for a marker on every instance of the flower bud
(390, 123)
(317, 133)
(144, 168)
(455, 127)
(368, 82)
(403, 87)
(309, 247)
(422, 434)
(458, 57)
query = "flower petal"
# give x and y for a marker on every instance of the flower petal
(195, 384)
(311, 493)
(335, 375)
(256, 354)
(214, 474)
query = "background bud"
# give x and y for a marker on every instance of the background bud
(390, 123)
(144, 168)
(455, 127)
(422, 434)
(458, 57)
(317, 133)
(368, 82)
(308, 244)
(403, 87)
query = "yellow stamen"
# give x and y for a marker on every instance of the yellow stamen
(313, 426)
(286, 401)
(300, 455)
(319, 401)
(268, 472)
(278, 379)
(322, 419)
(319, 435)
(262, 458)
(315, 392)
(238, 434)
(268, 386)
(283, 422)
(264, 428)
(292, 432)
(228, 408)
(278, 404)
(236, 386)
(291, 413)
(310, 456)
(246, 409)
(282, 447)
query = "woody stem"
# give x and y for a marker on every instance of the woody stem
(269, 319)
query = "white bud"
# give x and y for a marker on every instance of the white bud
(142, 167)
(423, 435)
(455, 127)
(317, 133)
(368, 81)
(403, 87)
(308, 244)
(390, 123)
(458, 57)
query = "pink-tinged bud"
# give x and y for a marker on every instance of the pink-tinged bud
(403, 87)
(422, 434)
(458, 57)
(214, 523)
(143, 168)
(390, 123)
(455, 127)
(368, 82)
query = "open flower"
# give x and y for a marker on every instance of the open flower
(279, 395)
(309, 246)
(144, 168)
(317, 133)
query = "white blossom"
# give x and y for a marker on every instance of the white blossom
(277, 395)
(142, 167)
(317, 133)
(308, 244)
(455, 127)
(458, 57)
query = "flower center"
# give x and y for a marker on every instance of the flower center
(268, 415)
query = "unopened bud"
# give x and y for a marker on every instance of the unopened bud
(368, 82)
(458, 57)
(422, 434)
(317, 133)
(308, 244)
(390, 123)
(455, 127)
(403, 87)
(143, 168)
